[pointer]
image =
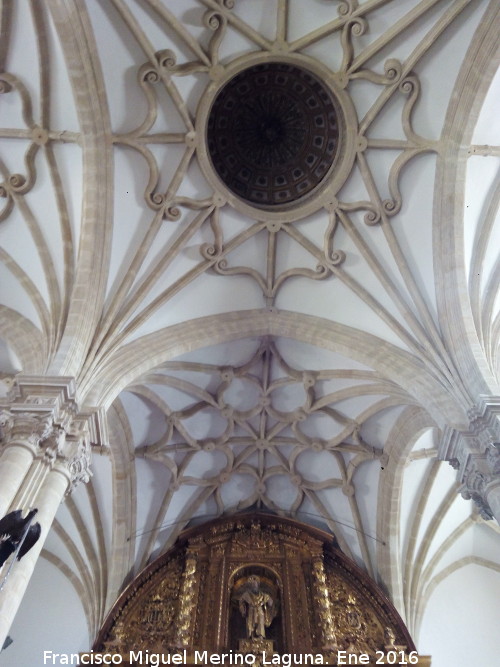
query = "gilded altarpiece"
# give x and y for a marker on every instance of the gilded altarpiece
(203, 595)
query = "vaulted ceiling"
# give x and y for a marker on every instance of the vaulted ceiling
(307, 359)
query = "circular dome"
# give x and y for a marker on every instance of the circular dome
(273, 134)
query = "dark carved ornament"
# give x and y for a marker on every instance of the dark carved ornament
(273, 134)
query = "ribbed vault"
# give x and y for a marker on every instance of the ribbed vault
(308, 359)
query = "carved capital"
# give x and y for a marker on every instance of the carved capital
(481, 471)
(24, 428)
(52, 443)
(80, 464)
(42, 413)
(483, 431)
(6, 424)
(493, 458)
(69, 447)
(475, 453)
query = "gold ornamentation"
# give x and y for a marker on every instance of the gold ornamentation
(359, 624)
(389, 638)
(256, 645)
(186, 602)
(322, 600)
(147, 616)
(281, 584)
(254, 538)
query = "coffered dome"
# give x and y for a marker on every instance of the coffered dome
(273, 134)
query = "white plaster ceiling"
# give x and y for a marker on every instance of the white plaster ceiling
(326, 400)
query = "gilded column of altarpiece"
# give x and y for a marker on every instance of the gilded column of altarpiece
(202, 595)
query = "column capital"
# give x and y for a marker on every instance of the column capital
(475, 453)
(478, 475)
(41, 413)
(68, 450)
(25, 428)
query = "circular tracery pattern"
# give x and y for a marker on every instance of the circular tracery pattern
(273, 134)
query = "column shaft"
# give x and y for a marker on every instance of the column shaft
(47, 501)
(44, 453)
(15, 463)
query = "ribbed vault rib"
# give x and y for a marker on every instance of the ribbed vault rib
(87, 295)
(456, 319)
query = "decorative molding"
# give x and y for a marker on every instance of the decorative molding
(475, 453)
(97, 422)
(44, 395)
(41, 413)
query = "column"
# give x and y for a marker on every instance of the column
(44, 453)
(186, 602)
(21, 434)
(62, 461)
(323, 606)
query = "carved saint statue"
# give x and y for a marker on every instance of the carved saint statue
(257, 608)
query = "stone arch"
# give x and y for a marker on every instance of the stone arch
(140, 356)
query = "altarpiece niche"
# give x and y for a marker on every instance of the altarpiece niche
(251, 583)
